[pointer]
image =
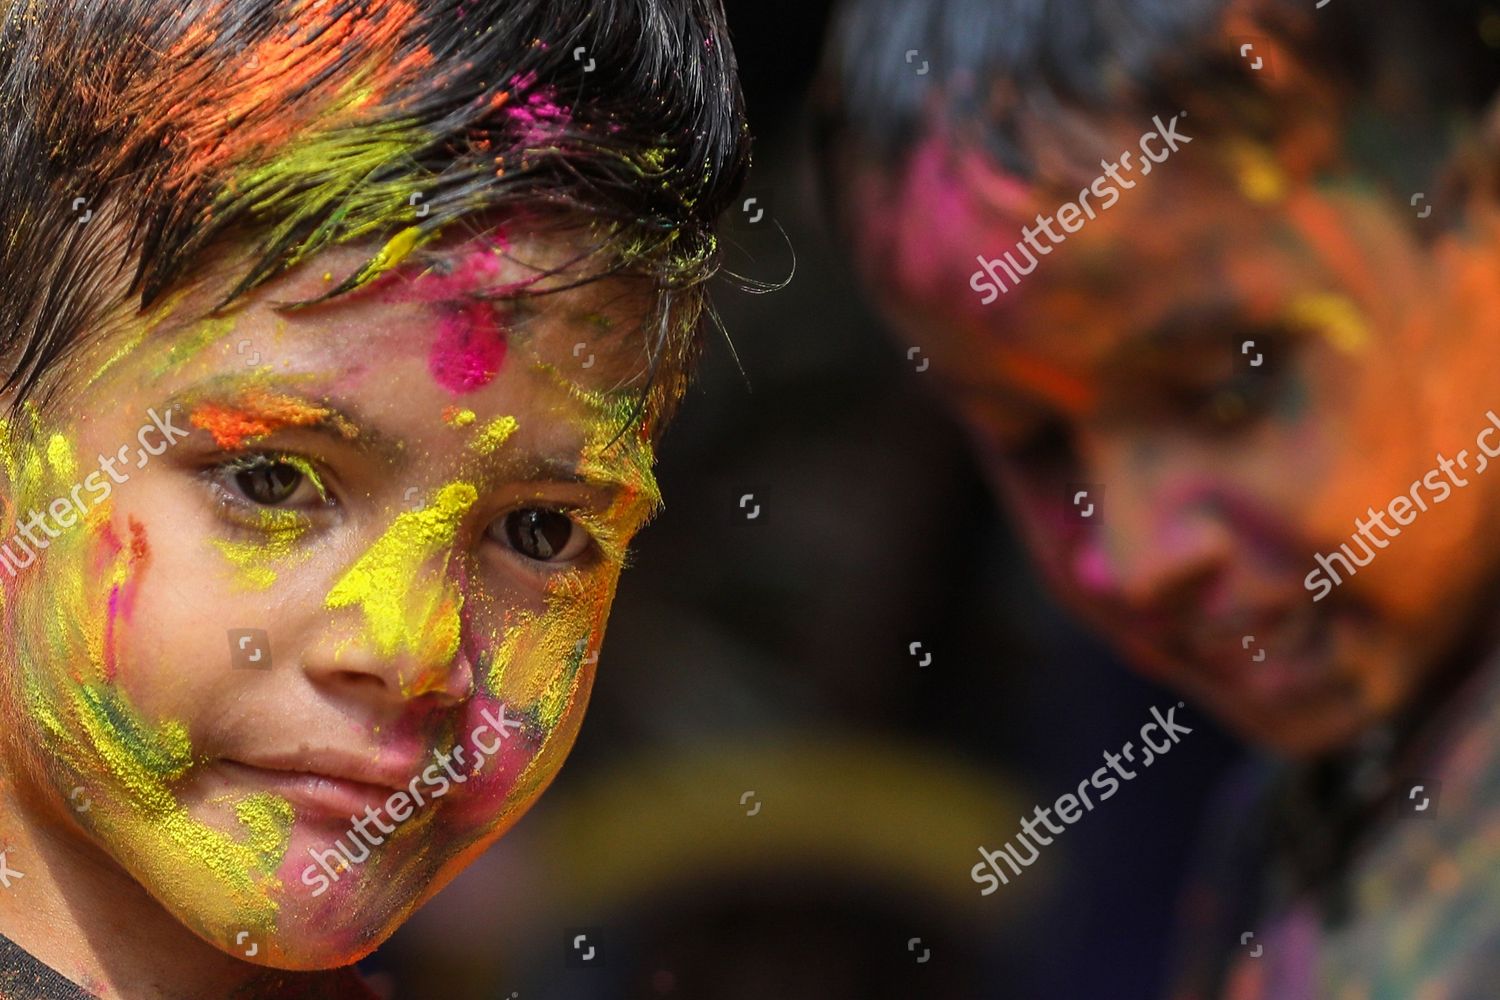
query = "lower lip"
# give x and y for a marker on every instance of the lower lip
(317, 793)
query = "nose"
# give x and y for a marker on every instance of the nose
(426, 659)
(404, 607)
(1163, 537)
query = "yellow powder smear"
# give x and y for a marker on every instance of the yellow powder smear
(60, 457)
(394, 252)
(1335, 317)
(1260, 177)
(283, 529)
(494, 434)
(407, 604)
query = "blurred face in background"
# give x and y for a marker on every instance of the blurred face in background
(1118, 373)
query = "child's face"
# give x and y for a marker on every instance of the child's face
(413, 498)
(1120, 364)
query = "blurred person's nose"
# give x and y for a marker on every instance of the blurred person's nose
(1161, 539)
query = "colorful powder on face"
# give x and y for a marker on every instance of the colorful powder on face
(1334, 317)
(282, 529)
(453, 416)
(260, 412)
(493, 434)
(1258, 174)
(470, 347)
(65, 678)
(60, 457)
(409, 605)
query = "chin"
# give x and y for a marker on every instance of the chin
(1304, 733)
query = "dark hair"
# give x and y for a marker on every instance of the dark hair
(304, 123)
(1001, 74)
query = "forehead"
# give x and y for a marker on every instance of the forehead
(1218, 230)
(467, 304)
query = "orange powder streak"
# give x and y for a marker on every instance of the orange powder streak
(261, 413)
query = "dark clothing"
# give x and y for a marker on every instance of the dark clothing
(1372, 876)
(22, 977)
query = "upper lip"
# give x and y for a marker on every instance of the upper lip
(338, 765)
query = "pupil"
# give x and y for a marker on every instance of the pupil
(270, 483)
(540, 534)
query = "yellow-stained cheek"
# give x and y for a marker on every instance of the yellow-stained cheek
(536, 663)
(401, 586)
(66, 615)
(257, 560)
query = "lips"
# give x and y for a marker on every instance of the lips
(1294, 647)
(330, 782)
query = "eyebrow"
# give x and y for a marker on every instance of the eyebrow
(535, 469)
(256, 407)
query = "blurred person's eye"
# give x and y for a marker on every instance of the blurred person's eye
(542, 534)
(1231, 405)
(1048, 446)
(1196, 393)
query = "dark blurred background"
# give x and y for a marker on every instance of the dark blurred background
(772, 797)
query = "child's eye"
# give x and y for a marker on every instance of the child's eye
(272, 481)
(542, 534)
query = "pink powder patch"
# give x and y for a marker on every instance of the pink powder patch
(470, 347)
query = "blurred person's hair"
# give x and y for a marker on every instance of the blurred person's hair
(287, 126)
(1406, 84)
